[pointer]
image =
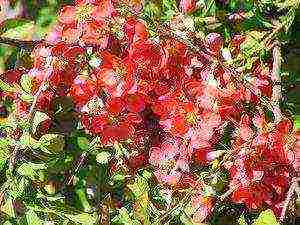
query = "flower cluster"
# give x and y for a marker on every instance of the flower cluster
(165, 101)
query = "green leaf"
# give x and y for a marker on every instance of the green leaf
(19, 187)
(46, 18)
(219, 180)
(18, 29)
(186, 220)
(251, 46)
(82, 197)
(83, 143)
(140, 190)
(266, 218)
(151, 11)
(210, 8)
(124, 218)
(31, 170)
(255, 21)
(242, 220)
(6, 87)
(26, 83)
(28, 141)
(151, 14)
(32, 218)
(39, 117)
(52, 143)
(27, 97)
(287, 20)
(83, 218)
(169, 9)
(297, 122)
(139, 187)
(8, 208)
(4, 151)
(103, 157)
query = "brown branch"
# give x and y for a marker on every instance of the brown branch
(276, 93)
(29, 45)
(287, 201)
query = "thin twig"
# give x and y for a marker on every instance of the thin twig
(289, 196)
(29, 45)
(276, 94)
(80, 163)
(182, 204)
(229, 192)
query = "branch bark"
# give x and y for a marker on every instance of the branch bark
(288, 199)
(29, 45)
(276, 94)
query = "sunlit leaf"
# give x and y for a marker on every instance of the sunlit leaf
(4, 151)
(8, 208)
(26, 83)
(103, 157)
(83, 218)
(19, 29)
(266, 218)
(83, 143)
(38, 118)
(52, 143)
(31, 170)
(32, 218)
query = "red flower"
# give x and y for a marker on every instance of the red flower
(135, 31)
(82, 91)
(146, 59)
(201, 155)
(115, 106)
(214, 43)
(12, 76)
(85, 22)
(137, 161)
(284, 126)
(188, 6)
(168, 158)
(113, 123)
(44, 101)
(135, 103)
(114, 76)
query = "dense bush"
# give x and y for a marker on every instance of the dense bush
(146, 112)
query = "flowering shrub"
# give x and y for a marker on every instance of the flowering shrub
(139, 112)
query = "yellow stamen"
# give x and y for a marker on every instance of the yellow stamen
(191, 117)
(83, 12)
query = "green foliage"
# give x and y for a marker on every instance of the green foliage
(103, 157)
(52, 178)
(82, 218)
(6, 87)
(4, 151)
(52, 143)
(26, 83)
(123, 218)
(169, 9)
(32, 170)
(18, 29)
(266, 218)
(83, 143)
(33, 219)
(38, 118)
(8, 208)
